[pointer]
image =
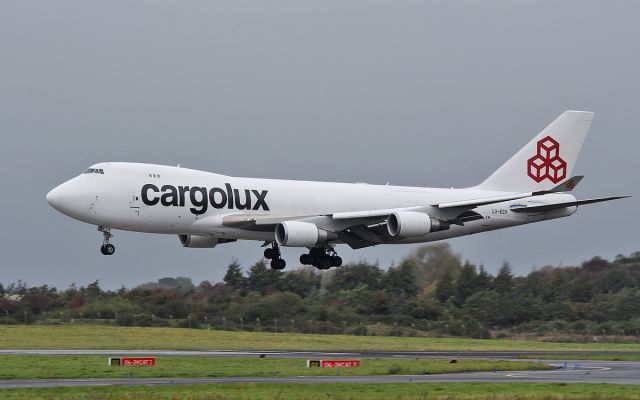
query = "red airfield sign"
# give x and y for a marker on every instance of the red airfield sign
(133, 361)
(333, 363)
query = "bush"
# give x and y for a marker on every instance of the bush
(190, 323)
(144, 320)
(359, 330)
(125, 319)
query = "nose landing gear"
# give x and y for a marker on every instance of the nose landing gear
(273, 254)
(107, 248)
(321, 258)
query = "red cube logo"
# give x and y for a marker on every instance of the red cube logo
(548, 148)
(537, 168)
(557, 170)
(547, 164)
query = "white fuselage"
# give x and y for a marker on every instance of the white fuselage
(172, 200)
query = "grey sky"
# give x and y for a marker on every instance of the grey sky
(424, 93)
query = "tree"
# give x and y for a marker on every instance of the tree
(180, 283)
(402, 279)
(433, 261)
(262, 278)
(445, 289)
(92, 289)
(39, 299)
(302, 282)
(582, 288)
(616, 279)
(234, 278)
(503, 282)
(484, 279)
(354, 275)
(465, 284)
(424, 308)
(628, 305)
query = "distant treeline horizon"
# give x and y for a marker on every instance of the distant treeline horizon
(169, 281)
(432, 292)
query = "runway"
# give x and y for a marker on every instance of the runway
(319, 354)
(615, 372)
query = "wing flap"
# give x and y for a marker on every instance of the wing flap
(483, 201)
(367, 213)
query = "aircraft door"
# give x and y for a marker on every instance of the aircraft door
(134, 203)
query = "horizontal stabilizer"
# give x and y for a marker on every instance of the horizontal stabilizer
(567, 185)
(549, 207)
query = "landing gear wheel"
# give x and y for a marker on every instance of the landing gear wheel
(306, 259)
(109, 249)
(322, 262)
(278, 264)
(322, 258)
(270, 253)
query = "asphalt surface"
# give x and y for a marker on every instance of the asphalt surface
(318, 354)
(617, 372)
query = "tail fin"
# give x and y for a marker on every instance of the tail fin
(545, 161)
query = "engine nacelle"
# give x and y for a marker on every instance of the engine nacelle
(198, 242)
(412, 224)
(301, 234)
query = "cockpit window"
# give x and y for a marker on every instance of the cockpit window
(94, 171)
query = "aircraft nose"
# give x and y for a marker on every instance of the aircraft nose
(70, 198)
(53, 197)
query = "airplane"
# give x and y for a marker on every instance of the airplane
(207, 209)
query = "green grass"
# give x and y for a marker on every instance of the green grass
(338, 391)
(111, 337)
(56, 367)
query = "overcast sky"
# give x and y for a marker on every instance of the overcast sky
(423, 93)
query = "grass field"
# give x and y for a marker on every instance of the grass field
(111, 337)
(52, 367)
(338, 391)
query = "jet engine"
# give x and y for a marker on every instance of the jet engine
(412, 224)
(301, 234)
(198, 242)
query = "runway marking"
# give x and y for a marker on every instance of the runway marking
(546, 374)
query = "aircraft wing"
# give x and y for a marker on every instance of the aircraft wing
(360, 234)
(368, 227)
(357, 229)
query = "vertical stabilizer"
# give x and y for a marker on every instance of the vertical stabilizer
(545, 161)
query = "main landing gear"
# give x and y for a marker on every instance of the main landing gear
(273, 254)
(321, 258)
(107, 248)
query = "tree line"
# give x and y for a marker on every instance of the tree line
(431, 292)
